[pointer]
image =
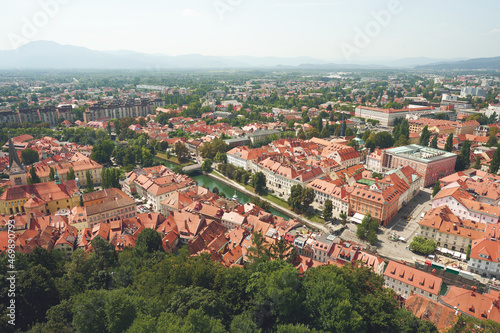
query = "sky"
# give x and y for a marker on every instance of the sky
(339, 30)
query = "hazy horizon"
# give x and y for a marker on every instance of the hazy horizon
(327, 30)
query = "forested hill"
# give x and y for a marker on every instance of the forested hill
(146, 290)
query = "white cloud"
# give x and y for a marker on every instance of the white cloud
(190, 12)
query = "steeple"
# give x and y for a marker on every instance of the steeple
(17, 172)
(342, 127)
(57, 178)
(15, 164)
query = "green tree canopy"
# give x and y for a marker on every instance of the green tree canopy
(425, 136)
(148, 241)
(101, 153)
(90, 181)
(29, 156)
(181, 151)
(436, 189)
(33, 178)
(449, 143)
(206, 165)
(327, 211)
(259, 182)
(422, 245)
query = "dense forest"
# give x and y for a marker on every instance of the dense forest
(146, 290)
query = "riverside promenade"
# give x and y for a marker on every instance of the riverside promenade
(301, 219)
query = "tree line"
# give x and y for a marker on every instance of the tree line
(143, 289)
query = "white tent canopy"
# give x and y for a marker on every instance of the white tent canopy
(357, 218)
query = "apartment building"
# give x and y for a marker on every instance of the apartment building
(463, 205)
(388, 116)
(432, 164)
(155, 184)
(443, 127)
(119, 109)
(381, 204)
(48, 114)
(108, 205)
(242, 157)
(472, 303)
(283, 173)
(448, 230)
(347, 157)
(80, 165)
(485, 258)
(48, 197)
(406, 281)
(325, 190)
(9, 117)
(374, 161)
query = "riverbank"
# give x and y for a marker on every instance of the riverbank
(303, 220)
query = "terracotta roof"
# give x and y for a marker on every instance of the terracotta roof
(347, 154)
(48, 191)
(248, 154)
(425, 309)
(443, 220)
(470, 302)
(485, 249)
(205, 239)
(114, 199)
(458, 193)
(414, 277)
(481, 208)
(232, 256)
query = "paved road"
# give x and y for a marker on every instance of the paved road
(288, 212)
(399, 226)
(386, 248)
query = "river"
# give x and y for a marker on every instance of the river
(209, 183)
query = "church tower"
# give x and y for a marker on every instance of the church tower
(17, 172)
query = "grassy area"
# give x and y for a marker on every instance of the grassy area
(172, 159)
(276, 200)
(316, 218)
(217, 173)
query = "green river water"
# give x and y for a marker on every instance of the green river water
(209, 183)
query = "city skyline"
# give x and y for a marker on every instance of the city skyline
(338, 31)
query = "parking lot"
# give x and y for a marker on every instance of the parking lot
(405, 223)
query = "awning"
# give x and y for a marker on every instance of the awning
(357, 218)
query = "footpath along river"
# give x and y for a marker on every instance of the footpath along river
(243, 198)
(209, 183)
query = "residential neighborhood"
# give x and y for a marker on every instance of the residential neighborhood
(375, 175)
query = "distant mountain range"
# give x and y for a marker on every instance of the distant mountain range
(476, 63)
(51, 55)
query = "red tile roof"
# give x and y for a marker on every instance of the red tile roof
(414, 277)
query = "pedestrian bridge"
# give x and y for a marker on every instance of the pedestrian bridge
(192, 167)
